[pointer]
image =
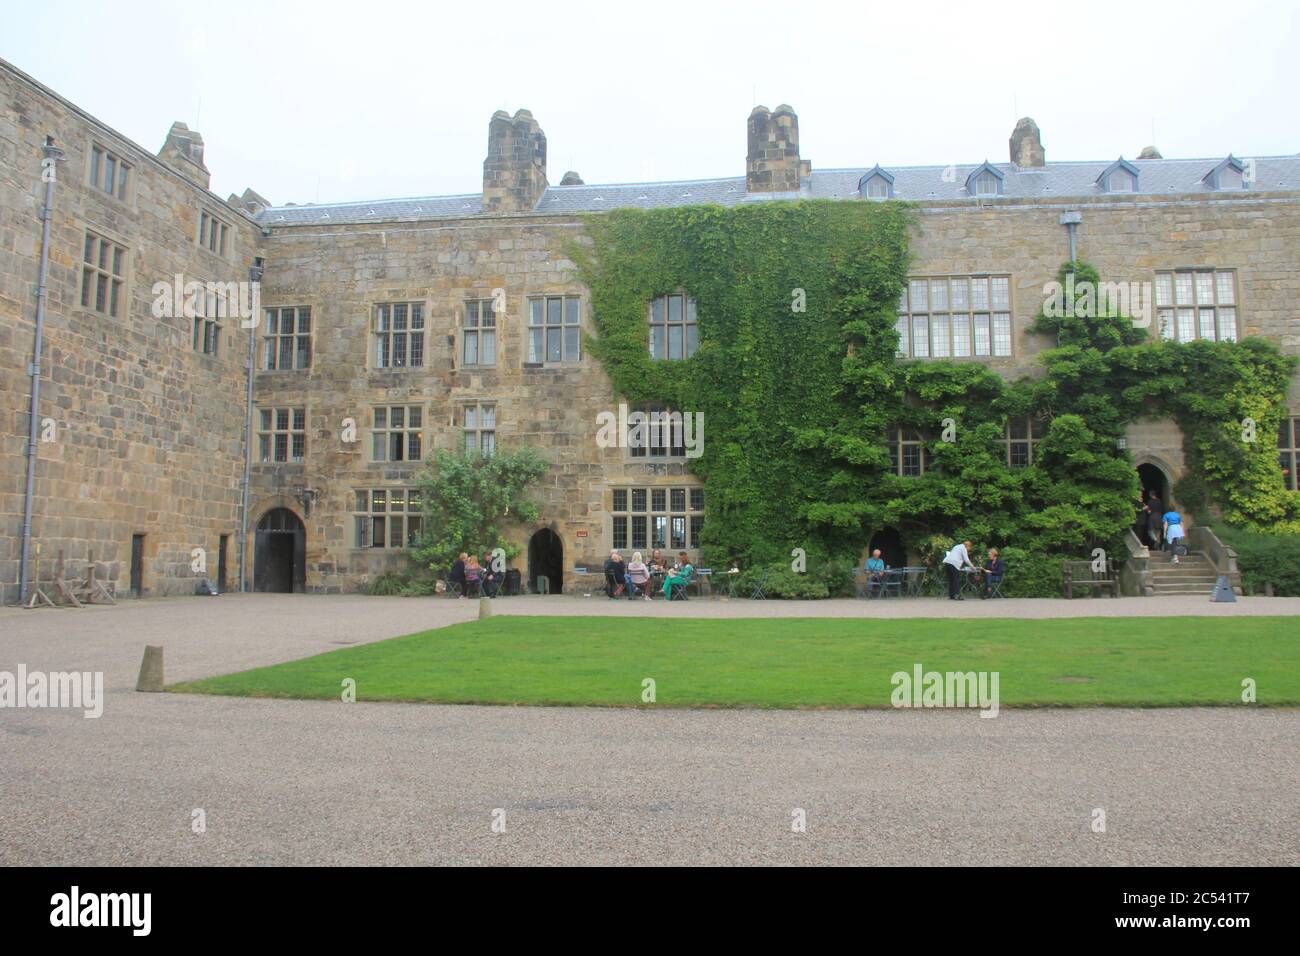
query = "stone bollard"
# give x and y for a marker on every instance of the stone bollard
(484, 607)
(151, 670)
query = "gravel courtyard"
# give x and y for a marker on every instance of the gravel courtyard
(298, 782)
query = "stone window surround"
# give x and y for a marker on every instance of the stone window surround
(902, 440)
(118, 154)
(302, 305)
(479, 332)
(969, 311)
(373, 334)
(691, 513)
(479, 427)
(688, 322)
(665, 452)
(124, 289)
(1219, 303)
(274, 431)
(209, 310)
(563, 327)
(217, 230)
(1030, 431)
(372, 431)
(387, 514)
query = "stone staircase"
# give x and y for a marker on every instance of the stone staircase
(1194, 574)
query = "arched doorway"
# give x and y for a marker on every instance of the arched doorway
(280, 553)
(890, 543)
(1151, 478)
(546, 560)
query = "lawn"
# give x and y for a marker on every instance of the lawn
(798, 662)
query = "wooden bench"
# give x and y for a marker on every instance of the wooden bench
(1081, 574)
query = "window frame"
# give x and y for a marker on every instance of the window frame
(1288, 451)
(403, 433)
(98, 161)
(539, 329)
(478, 428)
(268, 435)
(383, 339)
(972, 322)
(96, 274)
(691, 515)
(1035, 430)
(688, 323)
(212, 233)
(901, 439)
(479, 325)
(411, 515)
(1172, 313)
(273, 341)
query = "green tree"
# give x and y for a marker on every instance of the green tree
(469, 498)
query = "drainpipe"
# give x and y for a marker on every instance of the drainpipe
(1070, 220)
(255, 277)
(49, 167)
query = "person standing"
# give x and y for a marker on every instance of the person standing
(955, 562)
(1175, 533)
(1155, 510)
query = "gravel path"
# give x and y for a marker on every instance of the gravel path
(309, 782)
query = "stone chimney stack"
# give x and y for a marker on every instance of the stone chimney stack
(1027, 145)
(183, 152)
(772, 164)
(514, 173)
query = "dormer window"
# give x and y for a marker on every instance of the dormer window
(1120, 176)
(1122, 181)
(876, 184)
(985, 180)
(1229, 174)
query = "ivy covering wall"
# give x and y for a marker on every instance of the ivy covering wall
(797, 404)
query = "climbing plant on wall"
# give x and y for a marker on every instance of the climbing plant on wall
(800, 388)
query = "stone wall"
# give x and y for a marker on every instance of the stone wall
(147, 431)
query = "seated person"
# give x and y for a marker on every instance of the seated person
(875, 570)
(657, 562)
(638, 576)
(994, 569)
(615, 572)
(473, 576)
(681, 576)
(490, 579)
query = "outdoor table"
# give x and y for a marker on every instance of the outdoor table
(732, 577)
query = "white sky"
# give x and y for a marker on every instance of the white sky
(332, 102)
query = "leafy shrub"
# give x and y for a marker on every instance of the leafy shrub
(1265, 559)
(388, 584)
(783, 583)
(1031, 575)
(399, 584)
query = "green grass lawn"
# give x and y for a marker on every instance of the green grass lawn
(799, 662)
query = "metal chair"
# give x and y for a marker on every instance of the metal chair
(677, 590)
(892, 582)
(759, 594)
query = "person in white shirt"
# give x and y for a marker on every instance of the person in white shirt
(953, 562)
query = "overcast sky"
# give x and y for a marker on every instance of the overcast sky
(351, 101)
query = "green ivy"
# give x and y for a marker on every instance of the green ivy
(797, 404)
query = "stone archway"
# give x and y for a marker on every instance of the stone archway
(280, 553)
(546, 560)
(1152, 476)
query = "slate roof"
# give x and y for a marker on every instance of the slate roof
(1053, 182)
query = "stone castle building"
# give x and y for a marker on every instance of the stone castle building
(392, 327)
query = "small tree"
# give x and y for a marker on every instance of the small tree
(468, 498)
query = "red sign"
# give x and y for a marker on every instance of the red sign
(582, 534)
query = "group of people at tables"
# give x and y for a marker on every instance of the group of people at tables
(473, 578)
(956, 563)
(637, 577)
